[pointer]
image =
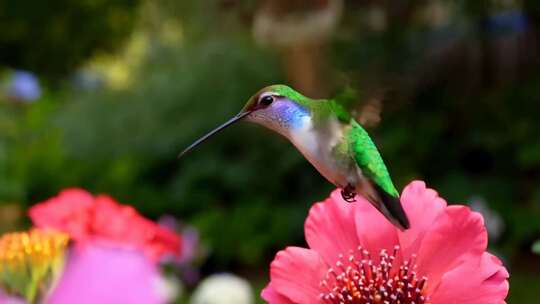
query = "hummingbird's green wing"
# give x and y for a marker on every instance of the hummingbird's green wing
(367, 157)
(347, 97)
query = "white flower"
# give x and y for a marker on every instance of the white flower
(494, 222)
(223, 288)
(168, 288)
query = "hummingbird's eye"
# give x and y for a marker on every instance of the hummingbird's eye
(266, 100)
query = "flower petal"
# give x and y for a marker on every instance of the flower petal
(104, 274)
(422, 206)
(68, 212)
(459, 235)
(123, 224)
(474, 282)
(7, 299)
(296, 273)
(85, 218)
(374, 231)
(270, 295)
(330, 228)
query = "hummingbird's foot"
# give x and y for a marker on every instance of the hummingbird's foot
(348, 194)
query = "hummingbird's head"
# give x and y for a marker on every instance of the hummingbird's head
(277, 107)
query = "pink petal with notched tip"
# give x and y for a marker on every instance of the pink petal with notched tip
(456, 237)
(483, 281)
(423, 206)
(296, 274)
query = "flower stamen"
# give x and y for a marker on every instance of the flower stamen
(359, 280)
(29, 261)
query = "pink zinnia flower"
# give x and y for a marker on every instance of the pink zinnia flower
(356, 256)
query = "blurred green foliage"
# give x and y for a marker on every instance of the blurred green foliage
(65, 32)
(446, 118)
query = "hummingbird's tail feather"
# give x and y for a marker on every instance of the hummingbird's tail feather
(390, 207)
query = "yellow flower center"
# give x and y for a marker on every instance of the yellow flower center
(31, 261)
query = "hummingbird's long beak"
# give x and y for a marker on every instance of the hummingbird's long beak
(231, 121)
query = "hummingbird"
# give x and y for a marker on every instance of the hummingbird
(329, 137)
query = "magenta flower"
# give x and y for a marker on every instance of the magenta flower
(356, 256)
(105, 273)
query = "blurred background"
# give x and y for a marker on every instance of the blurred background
(104, 94)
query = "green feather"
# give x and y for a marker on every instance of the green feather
(290, 93)
(347, 97)
(367, 157)
(321, 108)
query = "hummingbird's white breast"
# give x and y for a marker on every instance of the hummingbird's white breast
(317, 144)
(315, 141)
